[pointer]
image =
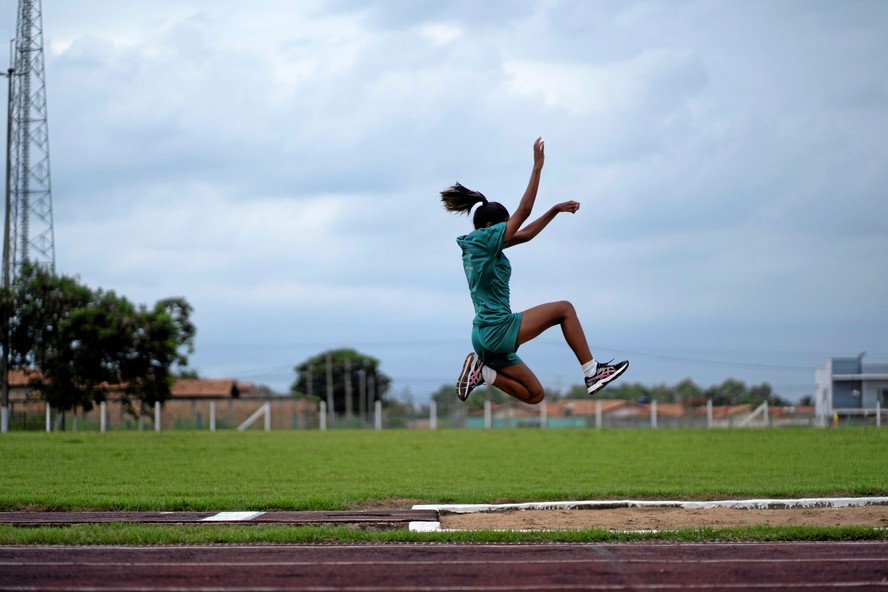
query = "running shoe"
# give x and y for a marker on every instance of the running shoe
(604, 374)
(470, 377)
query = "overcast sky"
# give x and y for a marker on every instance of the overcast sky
(278, 164)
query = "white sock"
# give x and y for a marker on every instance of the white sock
(489, 375)
(590, 367)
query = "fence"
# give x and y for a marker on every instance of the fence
(858, 416)
(284, 413)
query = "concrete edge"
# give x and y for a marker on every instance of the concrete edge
(745, 504)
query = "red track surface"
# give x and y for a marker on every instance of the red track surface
(396, 567)
(389, 517)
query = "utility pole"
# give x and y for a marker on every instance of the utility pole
(4, 361)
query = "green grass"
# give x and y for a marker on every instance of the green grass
(152, 534)
(338, 470)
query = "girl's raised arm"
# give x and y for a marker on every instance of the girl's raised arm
(525, 207)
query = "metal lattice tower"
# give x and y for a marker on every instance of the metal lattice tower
(31, 191)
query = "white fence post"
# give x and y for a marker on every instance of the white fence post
(488, 422)
(4, 419)
(433, 416)
(597, 414)
(103, 416)
(878, 414)
(322, 416)
(48, 418)
(544, 415)
(654, 414)
(212, 416)
(157, 416)
(377, 415)
(709, 413)
(265, 410)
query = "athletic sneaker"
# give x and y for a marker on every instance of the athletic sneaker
(470, 377)
(604, 374)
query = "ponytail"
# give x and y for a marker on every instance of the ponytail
(459, 200)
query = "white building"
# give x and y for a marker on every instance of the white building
(847, 386)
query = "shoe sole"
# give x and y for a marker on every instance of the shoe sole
(462, 385)
(605, 381)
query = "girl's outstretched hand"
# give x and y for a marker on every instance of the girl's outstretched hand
(568, 206)
(539, 153)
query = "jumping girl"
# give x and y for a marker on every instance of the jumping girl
(497, 332)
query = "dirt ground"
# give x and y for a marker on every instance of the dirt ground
(653, 518)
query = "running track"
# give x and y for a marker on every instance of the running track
(475, 567)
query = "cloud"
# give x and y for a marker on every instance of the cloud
(280, 164)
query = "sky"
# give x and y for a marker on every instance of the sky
(278, 164)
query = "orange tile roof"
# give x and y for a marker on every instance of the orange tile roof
(201, 388)
(183, 388)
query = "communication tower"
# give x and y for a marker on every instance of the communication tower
(30, 187)
(28, 234)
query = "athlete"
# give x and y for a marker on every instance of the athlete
(497, 332)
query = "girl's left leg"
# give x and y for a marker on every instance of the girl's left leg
(539, 318)
(518, 380)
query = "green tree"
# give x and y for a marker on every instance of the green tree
(486, 393)
(78, 344)
(153, 344)
(729, 392)
(445, 399)
(44, 340)
(625, 391)
(346, 369)
(763, 393)
(689, 393)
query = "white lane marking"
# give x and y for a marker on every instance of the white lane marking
(232, 516)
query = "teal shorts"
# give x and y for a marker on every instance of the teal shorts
(496, 344)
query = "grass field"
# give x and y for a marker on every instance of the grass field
(337, 470)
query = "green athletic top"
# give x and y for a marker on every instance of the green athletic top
(488, 272)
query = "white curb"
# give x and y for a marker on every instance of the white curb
(747, 504)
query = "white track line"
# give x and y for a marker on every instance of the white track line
(845, 585)
(231, 516)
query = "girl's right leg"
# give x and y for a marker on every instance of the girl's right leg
(519, 382)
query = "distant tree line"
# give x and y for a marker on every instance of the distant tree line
(77, 344)
(686, 392)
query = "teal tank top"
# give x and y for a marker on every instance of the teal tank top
(488, 272)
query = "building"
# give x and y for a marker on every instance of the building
(848, 386)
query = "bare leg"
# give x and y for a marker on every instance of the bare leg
(539, 318)
(519, 382)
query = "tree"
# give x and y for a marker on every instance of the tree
(342, 370)
(625, 391)
(150, 350)
(78, 344)
(689, 393)
(730, 392)
(45, 340)
(445, 399)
